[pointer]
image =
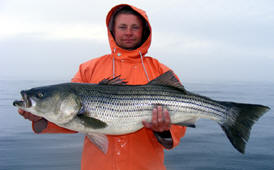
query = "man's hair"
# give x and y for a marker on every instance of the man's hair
(126, 10)
(129, 10)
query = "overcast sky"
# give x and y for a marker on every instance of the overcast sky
(201, 40)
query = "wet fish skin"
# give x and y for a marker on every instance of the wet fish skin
(112, 108)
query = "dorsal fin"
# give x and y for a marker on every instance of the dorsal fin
(113, 81)
(168, 79)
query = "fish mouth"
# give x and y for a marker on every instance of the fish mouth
(25, 102)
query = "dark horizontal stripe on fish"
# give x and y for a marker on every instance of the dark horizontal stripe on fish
(154, 101)
(179, 99)
(129, 90)
(105, 108)
(160, 96)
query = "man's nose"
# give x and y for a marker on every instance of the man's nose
(129, 31)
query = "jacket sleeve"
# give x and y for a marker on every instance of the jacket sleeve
(44, 126)
(176, 133)
(171, 138)
(80, 76)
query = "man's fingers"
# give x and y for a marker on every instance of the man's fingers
(34, 118)
(28, 115)
(154, 120)
(161, 121)
(167, 120)
(21, 111)
(160, 114)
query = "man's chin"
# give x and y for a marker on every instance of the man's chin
(128, 46)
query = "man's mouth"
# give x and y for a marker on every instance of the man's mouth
(129, 40)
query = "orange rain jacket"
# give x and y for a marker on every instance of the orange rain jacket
(135, 151)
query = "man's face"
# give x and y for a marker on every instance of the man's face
(128, 31)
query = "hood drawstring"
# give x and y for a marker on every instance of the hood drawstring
(113, 64)
(144, 66)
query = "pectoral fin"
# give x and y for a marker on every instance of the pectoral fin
(100, 140)
(89, 121)
(92, 122)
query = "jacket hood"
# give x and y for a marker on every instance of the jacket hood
(115, 49)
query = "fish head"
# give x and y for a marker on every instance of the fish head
(57, 104)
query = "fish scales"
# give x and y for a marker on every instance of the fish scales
(131, 101)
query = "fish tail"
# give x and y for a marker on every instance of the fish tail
(239, 122)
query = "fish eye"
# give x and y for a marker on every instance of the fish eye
(40, 94)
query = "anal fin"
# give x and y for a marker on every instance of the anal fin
(99, 140)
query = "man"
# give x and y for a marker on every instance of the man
(129, 35)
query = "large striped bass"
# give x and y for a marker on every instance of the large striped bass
(113, 108)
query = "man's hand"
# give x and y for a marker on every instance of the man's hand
(160, 121)
(39, 123)
(29, 116)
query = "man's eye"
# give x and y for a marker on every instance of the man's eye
(123, 27)
(135, 27)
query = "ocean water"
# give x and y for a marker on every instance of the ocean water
(203, 148)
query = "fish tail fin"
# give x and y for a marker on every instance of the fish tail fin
(241, 118)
